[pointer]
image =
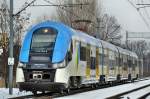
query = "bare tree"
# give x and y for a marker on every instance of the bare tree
(109, 29)
(79, 14)
(139, 47)
(4, 24)
(19, 26)
(88, 18)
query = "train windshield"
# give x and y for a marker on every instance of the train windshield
(43, 40)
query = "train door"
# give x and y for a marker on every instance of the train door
(137, 68)
(124, 68)
(111, 65)
(129, 67)
(88, 61)
(121, 64)
(101, 63)
(133, 68)
(116, 63)
(93, 63)
(97, 64)
(106, 63)
(83, 62)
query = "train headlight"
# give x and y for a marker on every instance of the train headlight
(20, 65)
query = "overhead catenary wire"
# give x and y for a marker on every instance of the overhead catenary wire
(142, 17)
(145, 10)
(24, 7)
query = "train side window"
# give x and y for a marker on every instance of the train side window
(88, 55)
(136, 63)
(129, 62)
(117, 61)
(93, 62)
(69, 56)
(121, 59)
(100, 58)
(83, 53)
(133, 64)
(69, 53)
(71, 47)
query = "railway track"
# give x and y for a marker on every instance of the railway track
(84, 89)
(133, 94)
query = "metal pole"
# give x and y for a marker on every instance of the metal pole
(98, 28)
(127, 39)
(11, 49)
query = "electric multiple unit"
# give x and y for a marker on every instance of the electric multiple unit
(56, 57)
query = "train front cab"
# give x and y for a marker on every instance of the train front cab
(44, 53)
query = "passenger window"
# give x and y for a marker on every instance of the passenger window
(71, 47)
(69, 53)
(82, 53)
(93, 62)
(105, 60)
(100, 59)
(69, 56)
(88, 55)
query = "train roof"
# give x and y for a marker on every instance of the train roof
(81, 36)
(109, 46)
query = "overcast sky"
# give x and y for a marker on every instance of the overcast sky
(126, 14)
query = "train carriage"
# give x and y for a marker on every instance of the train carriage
(56, 57)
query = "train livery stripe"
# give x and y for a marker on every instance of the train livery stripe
(77, 58)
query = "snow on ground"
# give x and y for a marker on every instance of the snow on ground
(107, 92)
(4, 93)
(137, 94)
(148, 97)
(95, 94)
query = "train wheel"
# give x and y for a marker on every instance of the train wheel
(92, 86)
(74, 82)
(68, 90)
(43, 92)
(62, 91)
(34, 92)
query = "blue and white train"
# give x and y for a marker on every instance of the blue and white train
(56, 57)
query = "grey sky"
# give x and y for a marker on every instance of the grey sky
(125, 13)
(35, 11)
